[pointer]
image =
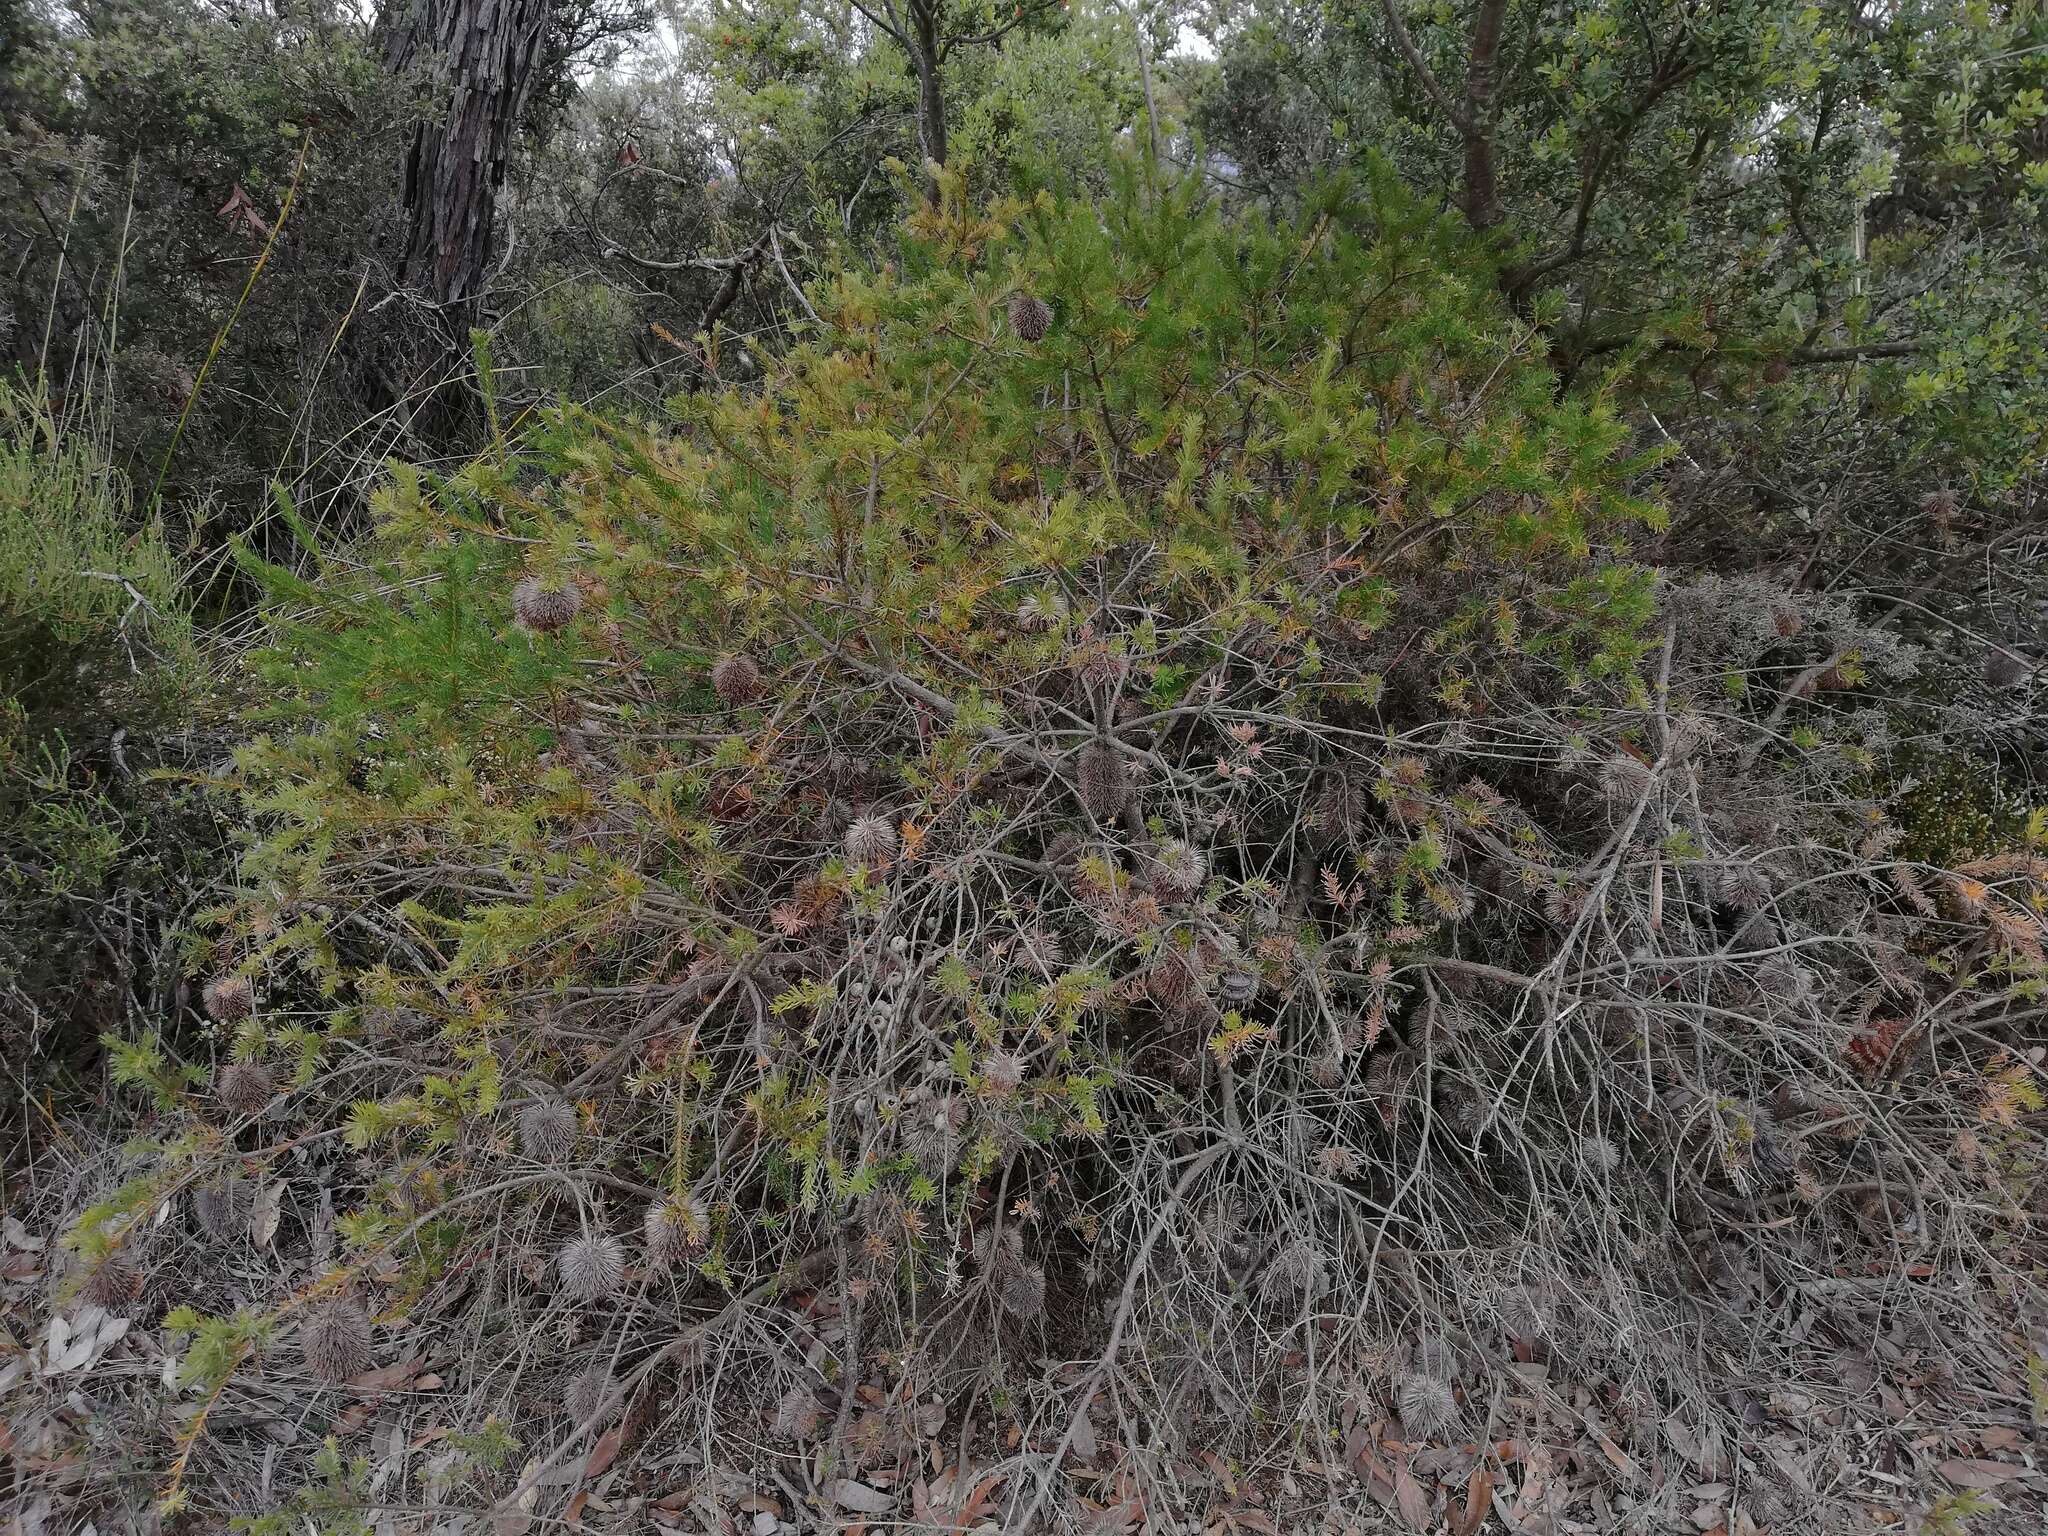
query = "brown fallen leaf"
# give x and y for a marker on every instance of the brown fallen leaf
(1478, 1503)
(1971, 1473)
(1411, 1499)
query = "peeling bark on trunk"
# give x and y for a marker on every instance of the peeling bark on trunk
(483, 55)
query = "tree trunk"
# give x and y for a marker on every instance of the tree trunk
(482, 56)
(931, 95)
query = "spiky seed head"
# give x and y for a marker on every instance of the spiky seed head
(1003, 1072)
(1030, 316)
(1326, 1069)
(1601, 1155)
(547, 1130)
(1036, 613)
(797, 1415)
(1745, 887)
(1177, 869)
(334, 1340)
(591, 1268)
(1170, 982)
(245, 1087)
(114, 1282)
(1624, 778)
(587, 1393)
(1428, 1405)
(1461, 1109)
(221, 1207)
(546, 607)
(1021, 1290)
(1522, 1312)
(676, 1230)
(1297, 1267)
(736, 678)
(1336, 1161)
(1102, 667)
(2005, 668)
(1103, 780)
(230, 999)
(871, 840)
(1940, 506)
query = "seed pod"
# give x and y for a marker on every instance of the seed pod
(221, 1207)
(2005, 668)
(547, 1130)
(1428, 1405)
(797, 1415)
(675, 1230)
(587, 1392)
(591, 1267)
(245, 1087)
(871, 840)
(230, 999)
(1171, 984)
(544, 607)
(1021, 1290)
(1002, 1072)
(1103, 781)
(1030, 316)
(736, 678)
(1238, 987)
(115, 1281)
(335, 1340)
(1176, 869)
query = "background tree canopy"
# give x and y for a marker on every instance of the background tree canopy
(793, 765)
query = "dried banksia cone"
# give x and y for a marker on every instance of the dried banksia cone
(1171, 984)
(2004, 668)
(736, 678)
(547, 1130)
(245, 1087)
(1002, 1072)
(230, 999)
(1103, 780)
(221, 1207)
(1177, 869)
(587, 1394)
(1237, 987)
(1940, 506)
(871, 840)
(797, 1415)
(335, 1340)
(114, 1282)
(675, 1229)
(546, 607)
(1030, 316)
(591, 1267)
(1021, 1290)
(1428, 1405)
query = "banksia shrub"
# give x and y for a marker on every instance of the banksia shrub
(1030, 316)
(546, 607)
(591, 1268)
(230, 999)
(871, 840)
(245, 1087)
(736, 678)
(547, 1130)
(1362, 595)
(334, 1340)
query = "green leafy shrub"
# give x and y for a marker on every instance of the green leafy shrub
(1192, 842)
